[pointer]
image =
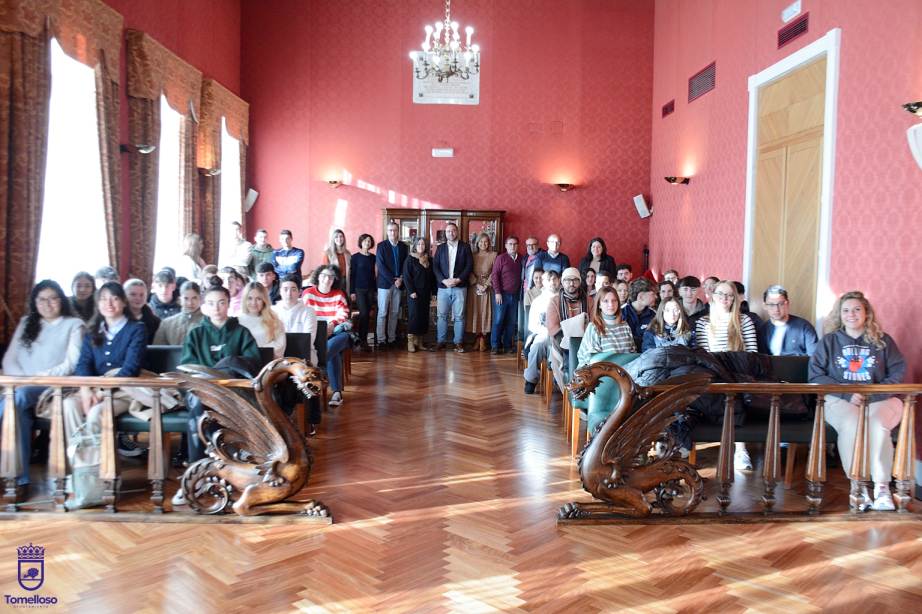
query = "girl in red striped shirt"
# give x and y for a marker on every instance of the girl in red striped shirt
(331, 306)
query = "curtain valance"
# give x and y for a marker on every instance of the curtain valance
(153, 69)
(218, 102)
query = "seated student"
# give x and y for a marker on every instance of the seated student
(234, 282)
(114, 345)
(744, 305)
(537, 286)
(726, 329)
(162, 301)
(589, 282)
(622, 289)
(208, 271)
(623, 272)
(138, 309)
(671, 276)
(262, 322)
(688, 291)
(536, 343)
(708, 286)
(331, 306)
(856, 350)
(669, 327)
(265, 274)
(666, 290)
(570, 303)
(82, 303)
(295, 315)
(216, 338)
(607, 331)
(46, 342)
(105, 274)
(638, 312)
(604, 279)
(784, 334)
(596, 258)
(173, 330)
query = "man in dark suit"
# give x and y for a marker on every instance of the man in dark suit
(389, 262)
(453, 264)
(784, 334)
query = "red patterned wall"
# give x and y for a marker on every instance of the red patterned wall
(877, 206)
(565, 96)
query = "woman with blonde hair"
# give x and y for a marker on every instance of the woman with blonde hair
(855, 350)
(419, 277)
(480, 301)
(336, 253)
(190, 264)
(259, 318)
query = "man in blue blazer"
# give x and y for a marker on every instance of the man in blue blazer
(784, 334)
(453, 264)
(389, 262)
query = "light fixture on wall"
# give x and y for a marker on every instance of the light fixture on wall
(678, 180)
(210, 172)
(443, 55)
(914, 107)
(141, 149)
(565, 187)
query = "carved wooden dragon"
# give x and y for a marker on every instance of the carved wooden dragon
(256, 457)
(614, 465)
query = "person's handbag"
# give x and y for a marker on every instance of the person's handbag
(83, 484)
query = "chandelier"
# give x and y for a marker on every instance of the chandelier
(442, 54)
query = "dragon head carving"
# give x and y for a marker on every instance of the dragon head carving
(308, 380)
(583, 382)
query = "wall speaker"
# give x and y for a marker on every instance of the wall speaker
(641, 205)
(252, 195)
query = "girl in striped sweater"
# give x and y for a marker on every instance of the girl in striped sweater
(330, 305)
(607, 331)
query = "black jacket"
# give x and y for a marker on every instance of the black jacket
(384, 262)
(799, 337)
(464, 263)
(607, 263)
(417, 278)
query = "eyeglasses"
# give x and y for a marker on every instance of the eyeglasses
(775, 305)
(48, 301)
(723, 295)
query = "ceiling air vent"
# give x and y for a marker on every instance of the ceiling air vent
(702, 82)
(793, 30)
(669, 108)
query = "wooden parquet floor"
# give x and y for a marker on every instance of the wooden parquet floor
(444, 480)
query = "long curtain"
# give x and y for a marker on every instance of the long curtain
(144, 129)
(25, 89)
(189, 175)
(107, 108)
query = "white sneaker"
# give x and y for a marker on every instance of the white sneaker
(336, 399)
(179, 498)
(741, 459)
(883, 502)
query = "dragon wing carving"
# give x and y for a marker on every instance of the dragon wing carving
(634, 436)
(245, 434)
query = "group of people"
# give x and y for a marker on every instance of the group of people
(224, 315)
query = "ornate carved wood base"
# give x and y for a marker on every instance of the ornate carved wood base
(601, 518)
(814, 497)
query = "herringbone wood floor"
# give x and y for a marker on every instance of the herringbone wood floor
(444, 480)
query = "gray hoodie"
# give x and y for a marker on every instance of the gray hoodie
(840, 359)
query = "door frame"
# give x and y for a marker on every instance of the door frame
(827, 45)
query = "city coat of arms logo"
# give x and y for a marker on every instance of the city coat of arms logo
(31, 566)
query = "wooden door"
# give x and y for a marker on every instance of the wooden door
(787, 188)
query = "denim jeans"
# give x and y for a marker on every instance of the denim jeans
(451, 299)
(388, 311)
(25, 400)
(537, 352)
(505, 316)
(335, 346)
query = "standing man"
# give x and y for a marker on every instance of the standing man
(389, 261)
(532, 249)
(287, 260)
(453, 264)
(261, 250)
(239, 254)
(784, 334)
(506, 280)
(553, 259)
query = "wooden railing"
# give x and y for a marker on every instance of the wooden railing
(858, 473)
(57, 463)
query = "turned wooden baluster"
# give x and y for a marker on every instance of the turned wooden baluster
(108, 471)
(905, 455)
(57, 459)
(9, 453)
(156, 467)
(725, 461)
(771, 468)
(859, 472)
(816, 459)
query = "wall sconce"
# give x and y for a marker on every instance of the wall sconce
(678, 180)
(914, 107)
(210, 172)
(565, 187)
(141, 149)
(334, 183)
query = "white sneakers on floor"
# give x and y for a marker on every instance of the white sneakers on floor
(883, 502)
(336, 399)
(179, 498)
(741, 458)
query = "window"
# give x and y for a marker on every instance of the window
(230, 195)
(72, 237)
(168, 247)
